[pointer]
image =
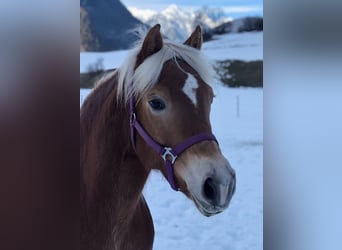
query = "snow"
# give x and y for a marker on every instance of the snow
(243, 46)
(110, 59)
(237, 122)
(142, 14)
(178, 22)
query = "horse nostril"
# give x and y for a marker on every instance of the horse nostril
(209, 190)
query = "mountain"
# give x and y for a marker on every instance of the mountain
(245, 24)
(212, 17)
(142, 14)
(104, 25)
(177, 23)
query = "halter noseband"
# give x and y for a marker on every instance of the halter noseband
(168, 154)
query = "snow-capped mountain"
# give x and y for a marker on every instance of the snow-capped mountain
(142, 14)
(212, 17)
(178, 23)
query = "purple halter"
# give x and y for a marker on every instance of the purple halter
(168, 154)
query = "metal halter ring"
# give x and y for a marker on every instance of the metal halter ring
(133, 118)
(168, 152)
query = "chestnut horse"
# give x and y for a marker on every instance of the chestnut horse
(151, 113)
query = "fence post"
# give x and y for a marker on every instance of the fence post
(238, 106)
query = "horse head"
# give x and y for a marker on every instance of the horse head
(170, 93)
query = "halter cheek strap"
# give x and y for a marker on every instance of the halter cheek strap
(168, 154)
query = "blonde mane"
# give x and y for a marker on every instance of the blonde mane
(136, 83)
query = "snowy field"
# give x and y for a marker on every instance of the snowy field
(243, 46)
(246, 46)
(237, 122)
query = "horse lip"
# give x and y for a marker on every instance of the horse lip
(206, 209)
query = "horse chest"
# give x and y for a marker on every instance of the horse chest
(139, 233)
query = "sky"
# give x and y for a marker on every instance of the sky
(234, 8)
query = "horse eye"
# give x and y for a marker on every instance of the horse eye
(157, 104)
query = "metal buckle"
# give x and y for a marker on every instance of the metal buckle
(168, 152)
(132, 118)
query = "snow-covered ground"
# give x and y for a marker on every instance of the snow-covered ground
(237, 122)
(246, 46)
(243, 46)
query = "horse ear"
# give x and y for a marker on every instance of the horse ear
(153, 42)
(196, 38)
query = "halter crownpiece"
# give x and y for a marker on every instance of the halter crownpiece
(168, 154)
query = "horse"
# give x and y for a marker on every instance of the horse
(152, 113)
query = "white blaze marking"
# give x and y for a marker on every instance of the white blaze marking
(190, 87)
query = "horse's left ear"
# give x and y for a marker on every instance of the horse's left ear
(196, 38)
(153, 42)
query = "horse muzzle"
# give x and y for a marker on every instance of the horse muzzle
(213, 194)
(216, 195)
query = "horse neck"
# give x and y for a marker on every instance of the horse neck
(112, 175)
